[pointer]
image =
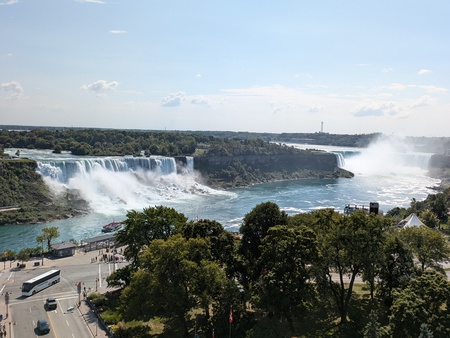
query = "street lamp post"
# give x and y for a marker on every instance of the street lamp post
(42, 252)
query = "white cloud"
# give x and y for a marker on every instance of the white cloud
(424, 72)
(198, 76)
(428, 89)
(434, 89)
(117, 31)
(199, 100)
(91, 1)
(100, 86)
(385, 109)
(11, 90)
(387, 70)
(424, 101)
(397, 86)
(173, 100)
(8, 2)
(314, 108)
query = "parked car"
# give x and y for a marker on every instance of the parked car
(51, 303)
(42, 326)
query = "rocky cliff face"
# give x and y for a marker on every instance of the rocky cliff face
(439, 167)
(439, 161)
(232, 171)
(268, 163)
(25, 198)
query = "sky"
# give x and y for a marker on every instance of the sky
(296, 66)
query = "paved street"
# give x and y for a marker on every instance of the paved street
(23, 312)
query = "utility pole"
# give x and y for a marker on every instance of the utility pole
(7, 302)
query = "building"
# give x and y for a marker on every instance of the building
(64, 249)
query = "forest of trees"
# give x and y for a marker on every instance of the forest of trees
(102, 142)
(426, 144)
(318, 274)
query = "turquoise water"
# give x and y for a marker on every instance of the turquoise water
(391, 181)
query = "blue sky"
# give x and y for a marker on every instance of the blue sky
(286, 66)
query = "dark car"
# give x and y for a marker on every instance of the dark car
(42, 326)
(51, 303)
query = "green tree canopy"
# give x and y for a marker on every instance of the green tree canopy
(425, 300)
(253, 229)
(175, 276)
(48, 235)
(141, 228)
(397, 268)
(284, 288)
(430, 247)
(348, 246)
(222, 241)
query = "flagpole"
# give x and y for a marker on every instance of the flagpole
(231, 318)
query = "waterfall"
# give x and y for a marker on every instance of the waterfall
(340, 160)
(112, 185)
(64, 169)
(190, 164)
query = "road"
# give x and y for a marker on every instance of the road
(23, 312)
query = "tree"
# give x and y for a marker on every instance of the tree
(121, 277)
(141, 228)
(373, 328)
(429, 246)
(348, 245)
(48, 235)
(438, 206)
(430, 219)
(425, 300)
(284, 288)
(425, 331)
(23, 255)
(253, 229)
(397, 268)
(222, 241)
(175, 276)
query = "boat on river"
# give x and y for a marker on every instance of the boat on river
(111, 227)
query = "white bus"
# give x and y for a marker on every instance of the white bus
(36, 284)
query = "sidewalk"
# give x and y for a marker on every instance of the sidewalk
(95, 326)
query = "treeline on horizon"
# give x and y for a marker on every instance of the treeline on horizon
(173, 146)
(107, 142)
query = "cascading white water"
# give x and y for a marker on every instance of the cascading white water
(115, 184)
(340, 160)
(190, 164)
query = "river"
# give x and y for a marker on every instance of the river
(384, 173)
